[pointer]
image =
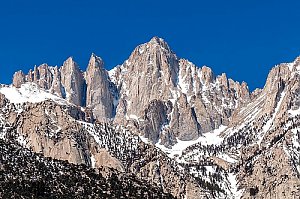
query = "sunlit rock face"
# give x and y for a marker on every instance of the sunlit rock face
(193, 133)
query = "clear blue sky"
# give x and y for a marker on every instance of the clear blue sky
(242, 38)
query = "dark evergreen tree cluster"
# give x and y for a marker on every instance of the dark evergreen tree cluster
(24, 174)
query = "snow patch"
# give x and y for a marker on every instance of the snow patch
(28, 92)
(234, 186)
(141, 50)
(181, 83)
(93, 161)
(290, 65)
(112, 74)
(207, 139)
(135, 117)
(269, 123)
(144, 139)
(22, 141)
(227, 158)
(294, 112)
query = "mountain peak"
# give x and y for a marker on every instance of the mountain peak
(297, 63)
(94, 55)
(297, 59)
(70, 63)
(157, 41)
(95, 61)
(70, 58)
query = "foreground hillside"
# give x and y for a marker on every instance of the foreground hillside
(24, 174)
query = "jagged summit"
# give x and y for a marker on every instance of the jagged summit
(155, 45)
(98, 96)
(70, 65)
(72, 82)
(159, 42)
(93, 55)
(297, 60)
(71, 58)
(152, 72)
(165, 120)
(295, 66)
(156, 39)
(95, 61)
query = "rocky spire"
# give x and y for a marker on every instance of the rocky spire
(159, 42)
(45, 76)
(151, 70)
(207, 75)
(57, 87)
(223, 81)
(73, 82)
(18, 79)
(98, 96)
(36, 74)
(30, 76)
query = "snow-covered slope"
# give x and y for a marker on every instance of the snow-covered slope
(29, 92)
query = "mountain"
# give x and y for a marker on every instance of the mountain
(161, 120)
(25, 174)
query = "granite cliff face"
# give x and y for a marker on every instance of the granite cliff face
(269, 165)
(72, 82)
(66, 82)
(200, 101)
(177, 126)
(99, 97)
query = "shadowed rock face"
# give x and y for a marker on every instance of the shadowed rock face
(184, 124)
(155, 117)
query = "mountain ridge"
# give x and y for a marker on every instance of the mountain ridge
(167, 121)
(163, 63)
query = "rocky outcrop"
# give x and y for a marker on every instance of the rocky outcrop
(73, 82)
(168, 100)
(103, 158)
(66, 82)
(184, 123)
(158, 170)
(60, 132)
(57, 87)
(26, 174)
(3, 100)
(148, 74)
(269, 161)
(207, 75)
(18, 79)
(155, 117)
(48, 129)
(43, 76)
(271, 176)
(98, 95)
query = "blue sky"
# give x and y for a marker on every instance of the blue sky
(245, 39)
